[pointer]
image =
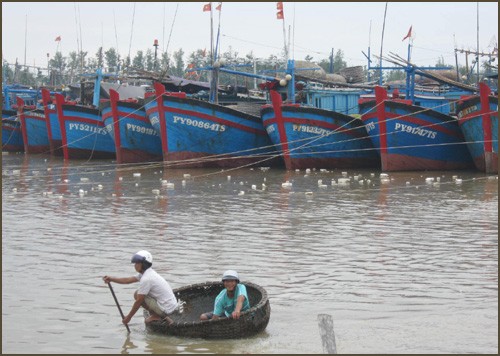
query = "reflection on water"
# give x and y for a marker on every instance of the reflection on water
(404, 264)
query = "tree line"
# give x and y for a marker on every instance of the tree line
(66, 70)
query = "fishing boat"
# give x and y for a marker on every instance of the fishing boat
(33, 128)
(410, 137)
(134, 137)
(83, 133)
(478, 119)
(309, 137)
(196, 133)
(12, 137)
(199, 298)
(52, 124)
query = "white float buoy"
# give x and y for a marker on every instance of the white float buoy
(137, 174)
(287, 184)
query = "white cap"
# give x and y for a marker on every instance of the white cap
(142, 256)
(230, 274)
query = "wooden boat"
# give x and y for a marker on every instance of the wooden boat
(309, 137)
(411, 137)
(135, 138)
(12, 137)
(33, 128)
(199, 298)
(52, 124)
(478, 119)
(196, 133)
(82, 131)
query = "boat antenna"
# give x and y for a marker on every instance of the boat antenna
(25, 39)
(293, 37)
(217, 48)
(284, 39)
(131, 32)
(81, 35)
(116, 33)
(77, 38)
(477, 53)
(171, 29)
(163, 38)
(382, 44)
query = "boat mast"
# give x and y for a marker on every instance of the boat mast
(25, 38)
(477, 53)
(382, 45)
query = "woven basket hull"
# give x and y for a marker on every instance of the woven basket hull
(199, 298)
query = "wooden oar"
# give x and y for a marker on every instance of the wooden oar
(117, 304)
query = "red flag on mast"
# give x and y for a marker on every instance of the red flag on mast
(409, 33)
(279, 5)
(280, 15)
(207, 7)
(58, 39)
(219, 7)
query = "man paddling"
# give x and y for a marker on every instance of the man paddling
(154, 293)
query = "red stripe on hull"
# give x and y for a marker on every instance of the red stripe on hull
(304, 163)
(136, 156)
(202, 160)
(12, 148)
(396, 162)
(37, 149)
(56, 147)
(78, 153)
(488, 163)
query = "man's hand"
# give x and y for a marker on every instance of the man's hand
(127, 319)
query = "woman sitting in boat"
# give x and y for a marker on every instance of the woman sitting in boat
(154, 293)
(231, 301)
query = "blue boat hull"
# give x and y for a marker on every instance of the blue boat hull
(195, 133)
(479, 124)
(54, 131)
(34, 129)
(410, 137)
(83, 133)
(316, 138)
(12, 137)
(135, 138)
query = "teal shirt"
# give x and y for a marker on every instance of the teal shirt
(225, 305)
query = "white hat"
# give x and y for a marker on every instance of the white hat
(142, 256)
(230, 274)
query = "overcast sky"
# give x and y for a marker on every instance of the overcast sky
(316, 28)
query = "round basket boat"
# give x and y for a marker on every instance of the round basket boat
(199, 298)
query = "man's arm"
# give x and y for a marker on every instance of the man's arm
(135, 308)
(239, 304)
(123, 280)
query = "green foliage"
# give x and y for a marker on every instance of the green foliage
(112, 59)
(138, 61)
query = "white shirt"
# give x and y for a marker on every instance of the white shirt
(155, 286)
